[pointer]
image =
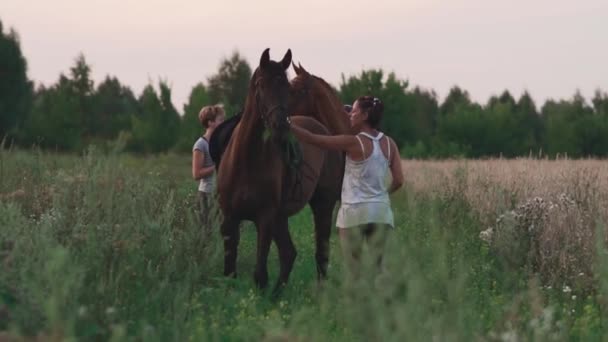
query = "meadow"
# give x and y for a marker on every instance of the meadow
(106, 246)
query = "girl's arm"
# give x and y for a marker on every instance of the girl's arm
(198, 172)
(346, 143)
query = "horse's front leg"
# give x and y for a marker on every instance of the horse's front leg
(287, 251)
(231, 235)
(322, 209)
(265, 226)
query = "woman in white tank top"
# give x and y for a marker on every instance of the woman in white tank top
(365, 211)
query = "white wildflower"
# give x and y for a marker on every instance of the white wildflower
(486, 235)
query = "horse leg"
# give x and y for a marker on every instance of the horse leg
(322, 210)
(287, 252)
(231, 235)
(265, 229)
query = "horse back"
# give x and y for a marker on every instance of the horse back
(221, 137)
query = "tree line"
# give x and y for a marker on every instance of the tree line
(74, 113)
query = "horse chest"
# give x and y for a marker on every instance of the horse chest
(248, 195)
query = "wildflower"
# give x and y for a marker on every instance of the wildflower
(567, 289)
(486, 235)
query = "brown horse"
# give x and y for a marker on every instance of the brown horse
(256, 182)
(313, 97)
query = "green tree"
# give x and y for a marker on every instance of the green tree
(425, 112)
(16, 90)
(398, 119)
(81, 88)
(461, 131)
(410, 117)
(530, 122)
(113, 105)
(230, 84)
(511, 126)
(505, 98)
(600, 103)
(592, 131)
(170, 119)
(506, 133)
(461, 126)
(565, 123)
(54, 121)
(156, 125)
(190, 128)
(368, 82)
(591, 126)
(145, 122)
(456, 98)
(62, 115)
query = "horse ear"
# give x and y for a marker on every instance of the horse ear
(286, 60)
(295, 67)
(302, 70)
(265, 59)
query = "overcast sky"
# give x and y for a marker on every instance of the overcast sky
(551, 48)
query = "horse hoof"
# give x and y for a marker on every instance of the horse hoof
(260, 281)
(278, 290)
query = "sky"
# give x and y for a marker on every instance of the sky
(551, 48)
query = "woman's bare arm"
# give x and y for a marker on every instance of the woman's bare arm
(198, 171)
(346, 143)
(395, 167)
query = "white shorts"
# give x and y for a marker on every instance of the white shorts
(353, 215)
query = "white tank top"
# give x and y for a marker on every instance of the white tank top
(365, 180)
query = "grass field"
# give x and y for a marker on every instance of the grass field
(107, 247)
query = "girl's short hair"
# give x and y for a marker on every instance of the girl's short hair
(210, 113)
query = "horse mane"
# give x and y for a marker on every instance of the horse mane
(250, 107)
(328, 108)
(221, 136)
(250, 117)
(246, 118)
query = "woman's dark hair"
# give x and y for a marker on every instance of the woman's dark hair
(374, 109)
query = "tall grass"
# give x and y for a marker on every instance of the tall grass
(107, 247)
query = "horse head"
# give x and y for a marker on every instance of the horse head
(271, 90)
(310, 95)
(300, 94)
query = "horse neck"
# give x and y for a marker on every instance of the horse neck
(249, 139)
(330, 111)
(250, 131)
